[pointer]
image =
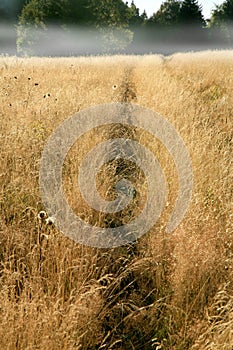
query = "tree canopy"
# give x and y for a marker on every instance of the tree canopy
(221, 22)
(168, 14)
(107, 19)
(223, 13)
(191, 13)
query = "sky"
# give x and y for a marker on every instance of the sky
(152, 6)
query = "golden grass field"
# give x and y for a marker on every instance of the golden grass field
(168, 291)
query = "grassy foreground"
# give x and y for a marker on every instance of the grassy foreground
(168, 291)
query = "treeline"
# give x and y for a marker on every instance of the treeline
(70, 27)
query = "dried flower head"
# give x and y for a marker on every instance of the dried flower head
(42, 215)
(50, 220)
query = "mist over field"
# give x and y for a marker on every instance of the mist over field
(73, 40)
(7, 39)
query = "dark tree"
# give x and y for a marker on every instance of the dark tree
(144, 16)
(193, 34)
(79, 12)
(223, 13)
(162, 27)
(191, 13)
(178, 25)
(221, 23)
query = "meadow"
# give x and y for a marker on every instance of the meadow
(167, 291)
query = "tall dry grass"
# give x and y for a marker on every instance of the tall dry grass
(165, 292)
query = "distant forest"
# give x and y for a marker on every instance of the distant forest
(84, 27)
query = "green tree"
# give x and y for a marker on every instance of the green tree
(162, 27)
(221, 21)
(134, 17)
(144, 16)
(109, 13)
(192, 25)
(222, 13)
(112, 20)
(191, 14)
(109, 18)
(178, 23)
(168, 15)
(30, 27)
